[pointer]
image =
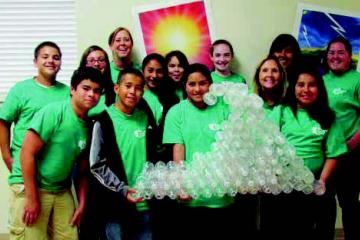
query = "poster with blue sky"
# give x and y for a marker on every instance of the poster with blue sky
(316, 26)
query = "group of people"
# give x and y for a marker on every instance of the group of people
(118, 115)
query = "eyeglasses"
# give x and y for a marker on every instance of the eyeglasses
(93, 61)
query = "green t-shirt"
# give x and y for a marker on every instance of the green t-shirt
(154, 104)
(116, 71)
(234, 78)
(195, 128)
(180, 94)
(99, 108)
(312, 143)
(130, 133)
(267, 108)
(64, 136)
(22, 102)
(344, 98)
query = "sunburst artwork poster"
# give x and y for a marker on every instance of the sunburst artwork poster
(183, 26)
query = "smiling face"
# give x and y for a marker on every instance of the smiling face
(269, 75)
(196, 86)
(48, 62)
(285, 56)
(221, 58)
(306, 90)
(129, 90)
(122, 44)
(175, 69)
(153, 74)
(338, 58)
(96, 59)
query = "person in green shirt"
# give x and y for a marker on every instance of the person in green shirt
(121, 44)
(270, 82)
(191, 126)
(343, 87)
(96, 57)
(25, 99)
(308, 124)
(286, 48)
(177, 62)
(221, 54)
(122, 142)
(42, 205)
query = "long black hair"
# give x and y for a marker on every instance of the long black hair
(319, 110)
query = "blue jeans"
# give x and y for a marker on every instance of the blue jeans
(115, 231)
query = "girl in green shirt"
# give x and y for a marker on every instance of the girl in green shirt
(96, 57)
(307, 123)
(177, 62)
(188, 127)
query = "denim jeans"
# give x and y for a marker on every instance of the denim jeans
(115, 231)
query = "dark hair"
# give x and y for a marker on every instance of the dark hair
(133, 71)
(113, 34)
(107, 82)
(285, 40)
(279, 91)
(198, 67)
(46, 44)
(180, 56)
(347, 45)
(221, 41)
(183, 61)
(157, 57)
(86, 73)
(319, 110)
(342, 40)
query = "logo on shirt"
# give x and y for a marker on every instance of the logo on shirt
(82, 144)
(318, 131)
(338, 91)
(139, 133)
(214, 126)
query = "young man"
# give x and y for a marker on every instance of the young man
(25, 99)
(42, 203)
(123, 140)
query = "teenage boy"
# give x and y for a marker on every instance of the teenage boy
(25, 99)
(42, 203)
(123, 140)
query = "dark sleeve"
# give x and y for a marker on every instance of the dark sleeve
(99, 166)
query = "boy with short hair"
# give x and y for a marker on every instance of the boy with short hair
(42, 203)
(25, 99)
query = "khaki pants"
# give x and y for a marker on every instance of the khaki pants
(57, 209)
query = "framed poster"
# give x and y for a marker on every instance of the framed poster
(176, 25)
(315, 26)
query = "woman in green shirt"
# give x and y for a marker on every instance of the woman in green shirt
(342, 83)
(270, 82)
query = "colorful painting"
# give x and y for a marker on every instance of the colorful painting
(316, 26)
(181, 26)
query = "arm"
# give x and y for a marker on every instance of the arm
(5, 143)
(31, 146)
(178, 152)
(82, 192)
(328, 169)
(354, 141)
(99, 166)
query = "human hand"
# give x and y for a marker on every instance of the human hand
(32, 211)
(131, 196)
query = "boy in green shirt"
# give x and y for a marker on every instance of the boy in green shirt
(42, 202)
(26, 98)
(122, 142)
